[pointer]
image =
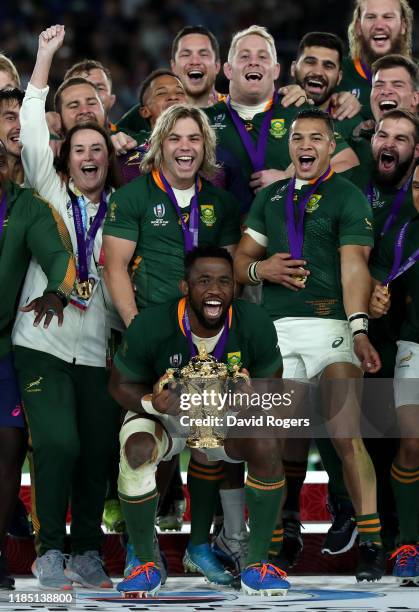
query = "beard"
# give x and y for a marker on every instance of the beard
(321, 97)
(369, 56)
(391, 179)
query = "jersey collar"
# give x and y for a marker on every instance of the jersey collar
(181, 311)
(156, 177)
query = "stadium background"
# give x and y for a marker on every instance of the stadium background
(132, 37)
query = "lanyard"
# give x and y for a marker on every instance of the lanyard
(395, 205)
(190, 231)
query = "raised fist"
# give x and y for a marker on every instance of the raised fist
(51, 39)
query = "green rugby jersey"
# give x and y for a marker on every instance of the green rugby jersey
(382, 197)
(156, 340)
(337, 214)
(142, 212)
(31, 228)
(277, 153)
(381, 264)
(355, 81)
(132, 122)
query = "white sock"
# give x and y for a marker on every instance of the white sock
(232, 501)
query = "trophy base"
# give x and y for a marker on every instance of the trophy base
(205, 442)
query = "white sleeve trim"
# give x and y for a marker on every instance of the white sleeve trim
(257, 236)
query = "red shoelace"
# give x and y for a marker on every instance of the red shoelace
(265, 568)
(406, 551)
(141, 569)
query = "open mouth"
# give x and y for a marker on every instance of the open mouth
(213, 309)
(184, 161)
(196, 75)
(90, 169)
(315, 84)
(306, 162)
(380, 39)
(15, 138)
(253, 76)
(387, 105)
(388, 161)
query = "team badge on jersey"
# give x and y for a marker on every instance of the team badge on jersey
(234, 360)
(175, 360)
(219, 122)
(278, 129)
(375, 199)
(368, 223)
(112, 211)
(208, 214)
(313, 203)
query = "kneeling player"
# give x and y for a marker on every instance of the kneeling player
(229, 328)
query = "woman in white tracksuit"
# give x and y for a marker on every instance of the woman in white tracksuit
(73, 421)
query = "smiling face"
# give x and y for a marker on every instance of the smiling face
(311, 147)
(380, 28)
(317, 71)
(10, 126)
(182, 153)
(210, 290)
(81, 103)
(88, 161)
(392, 88)
(7, 81)
(164, 91)
(102, 84)
(196, 65)
(393, 149)
(252, 71)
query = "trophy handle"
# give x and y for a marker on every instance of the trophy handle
(165, 380)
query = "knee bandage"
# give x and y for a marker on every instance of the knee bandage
(141, 480)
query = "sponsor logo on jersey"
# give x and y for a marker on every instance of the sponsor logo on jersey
(313, 203)
(336, 343)
(234, 360)
(159, 212)
(175, 360)
(278, 129)
(208, 214)
(403, 360)
(33, 387)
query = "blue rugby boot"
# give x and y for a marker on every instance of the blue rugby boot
(406, 567)
(143, 581)
(201, 559)
(264, 579)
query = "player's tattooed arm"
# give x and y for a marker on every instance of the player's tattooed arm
(50, 40)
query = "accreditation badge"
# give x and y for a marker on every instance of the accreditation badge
(83, 292)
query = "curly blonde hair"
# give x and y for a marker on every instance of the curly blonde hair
(355, 46)
(165, 124)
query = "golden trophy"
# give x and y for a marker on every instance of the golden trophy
(208, 378)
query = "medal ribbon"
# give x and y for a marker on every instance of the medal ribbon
(395, 206)
(3, 209)
(296, 228)
(363, 69)
(256, 153)
(85, 241)
(190, 231)
(398, 268)
(218, 351)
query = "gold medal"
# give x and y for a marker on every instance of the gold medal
(298, 277)
(84, 289)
